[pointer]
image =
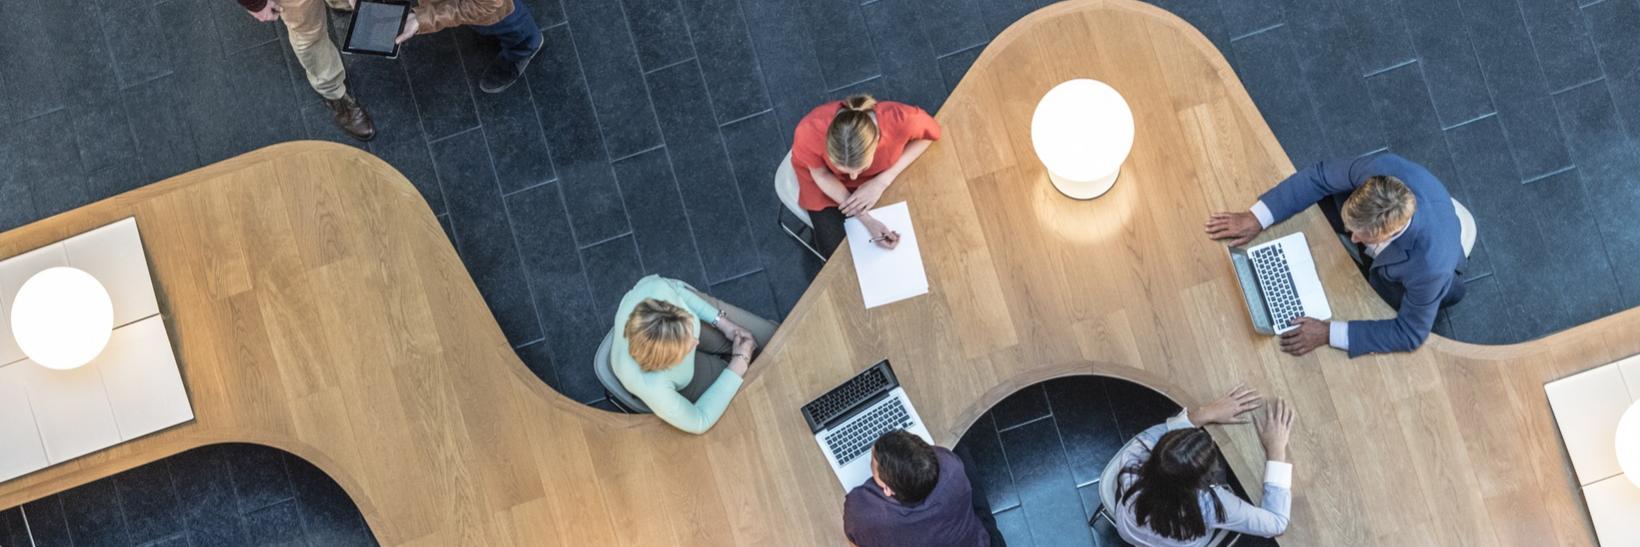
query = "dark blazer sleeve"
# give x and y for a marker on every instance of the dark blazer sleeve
(1412, 321)
(1306, 187)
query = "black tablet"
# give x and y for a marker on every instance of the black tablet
(376, 23)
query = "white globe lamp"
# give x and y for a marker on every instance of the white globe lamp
(1082, 131)
(1628, 443)
(62, 318)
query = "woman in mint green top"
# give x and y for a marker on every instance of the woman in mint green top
(682, 352)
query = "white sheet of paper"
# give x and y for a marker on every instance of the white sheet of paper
(887, 275)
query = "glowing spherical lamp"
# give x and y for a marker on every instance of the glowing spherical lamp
(1628, 443)
(1082, 131)
(62, 318)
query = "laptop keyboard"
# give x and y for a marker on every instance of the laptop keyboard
(1276, 282)
(856, 437)
(840, 399)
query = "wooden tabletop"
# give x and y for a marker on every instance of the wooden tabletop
(317, 307)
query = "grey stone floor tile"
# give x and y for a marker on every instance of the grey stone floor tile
(13, 531)
(1561, 41)
(791, 69)
(612, 73)
(236, 30)
(1207, 17)
(131, 29)
(749, 292)
(537, 356)
(1380, 37)
(951, 25)
(1345, 110)
(728, 62)
(149, 499)
(1443, 47)
(1607, 160)
(1519, 90)
(954, 66)
(1268, 67)
(613, 267)
(103, 136)
(439, 84)
(710, 197)
(659, 32)
(1243, 17)
(92, 520)
(910, 70)
(1611, 25)
(560, 287)
(485, 233)
(547, 12)
(1047, 491)
(30, 72)
(660, 226)
(571, 128)
(755, 152)
(46, 524)
(837, 28)
(1000, 14)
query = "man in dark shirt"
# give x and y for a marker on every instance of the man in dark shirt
(917, 495)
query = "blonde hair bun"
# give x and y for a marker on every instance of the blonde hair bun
(860, 103)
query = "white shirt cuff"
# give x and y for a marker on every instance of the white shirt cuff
(1262, 211)
(1279, 474)
(1338, 335)
(1180, 421)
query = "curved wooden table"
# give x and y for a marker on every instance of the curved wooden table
(317, 307)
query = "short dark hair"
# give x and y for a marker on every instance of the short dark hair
(907, 465)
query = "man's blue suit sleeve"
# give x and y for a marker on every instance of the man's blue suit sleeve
(1306, 187)
(1411, 324)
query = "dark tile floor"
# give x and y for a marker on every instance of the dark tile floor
(647, 133)
(217, 496)
(1036, 456)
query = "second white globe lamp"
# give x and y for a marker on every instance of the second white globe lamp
(62, 318)
(1628, 443)
(1082, 131)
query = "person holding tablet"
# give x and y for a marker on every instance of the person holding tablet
(310, 39)
(846, 153)
(508, 22)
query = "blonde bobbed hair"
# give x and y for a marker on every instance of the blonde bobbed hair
(1381, 204)
(658, 334)
(851, 141)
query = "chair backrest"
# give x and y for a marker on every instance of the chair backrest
(606, 375)
(1466, 227)
(785, 186)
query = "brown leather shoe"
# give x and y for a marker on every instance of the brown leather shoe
(351, 117)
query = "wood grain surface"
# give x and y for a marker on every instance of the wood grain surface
(317, 307)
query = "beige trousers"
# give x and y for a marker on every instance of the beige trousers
(310, 39)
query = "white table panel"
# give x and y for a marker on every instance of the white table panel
(113, 254)
(140, 374)
(23, 450)
(1630, 368)
(13, 272)
(71, 408)
(1586, 407)
(1614, 504)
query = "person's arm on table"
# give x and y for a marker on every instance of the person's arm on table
(1294, 194)
(1274, 512)
(699, 416)
(834, 189)
(1411, 325)
(865, 197)
(1222, 411)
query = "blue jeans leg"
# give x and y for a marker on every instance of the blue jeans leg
(517, 33)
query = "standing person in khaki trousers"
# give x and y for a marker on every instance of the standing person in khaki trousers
(310, 39)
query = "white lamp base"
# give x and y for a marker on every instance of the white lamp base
(1084, 190)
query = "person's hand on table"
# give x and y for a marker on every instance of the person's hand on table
(1274, 429)
(270, 12)
(865, 197)
(1234, 229)
(1310, 334)
(1227, 409)
(880, 234)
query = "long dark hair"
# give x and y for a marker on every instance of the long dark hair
(1166, 488)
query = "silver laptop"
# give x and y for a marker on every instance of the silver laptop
(1279, 283)
(848, 419)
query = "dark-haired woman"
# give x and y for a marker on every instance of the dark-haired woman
(1171, 491)
(846, 153)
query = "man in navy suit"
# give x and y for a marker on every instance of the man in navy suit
(1404, 233)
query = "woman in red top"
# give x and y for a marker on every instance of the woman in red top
(846, 153)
